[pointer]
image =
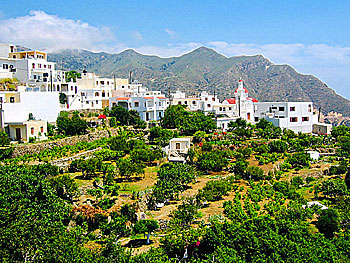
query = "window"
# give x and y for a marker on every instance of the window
(160, 114)
(193, 102)
(160, 103)
(107, 82)
(103, 94)
(224, 109)
(102, 82)
(229, 108)
(213, 99)
(186, 102)
(177, 146)
(87, 102)
(5, 66)
(293, 119)
(12, 99)
(97, 83)
(310, 108)
(33, 65)
(96, 101)
(97, 94)
(123, 87)
(220, 108)
(39, 65)
(179, 103)
(274, 108)
(305, 119)
(292, 108)
(281, 108)
(41, 129)
(136, 104)
(206, 99)
(44, 66)
(49, 66)
(32, 131)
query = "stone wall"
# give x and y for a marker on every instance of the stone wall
(21, 150)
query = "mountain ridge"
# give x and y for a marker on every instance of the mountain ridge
(204, 69)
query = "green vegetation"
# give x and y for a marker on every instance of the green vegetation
(242, 196)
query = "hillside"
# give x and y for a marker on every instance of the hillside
(205, 69)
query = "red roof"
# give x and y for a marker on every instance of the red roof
(148, 98)
(252, 99)
(102, 116)
(245, 90)
(231, 101)
(123, 98)
(161, 98)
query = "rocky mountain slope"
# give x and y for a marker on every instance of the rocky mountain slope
(205, 69)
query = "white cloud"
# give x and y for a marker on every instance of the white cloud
(137, 35)
(171, 50)
(170, 32)
(294, 54)
(43, 31)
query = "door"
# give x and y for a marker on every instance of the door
(18, 134)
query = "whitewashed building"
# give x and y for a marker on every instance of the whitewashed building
(30, 67)
(150, 107)
(18, 104)
(295, 116)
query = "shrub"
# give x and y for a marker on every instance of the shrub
(212, 161)
(255, 173)
(214, 190)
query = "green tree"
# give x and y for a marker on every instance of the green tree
(328, 223)
(71, 126)
(334, 187)
(4, 139)
(63, 98)
(127, 167)
(72, 75)
(146, 226)
(255, 173)
(173, 116)
(212, 161)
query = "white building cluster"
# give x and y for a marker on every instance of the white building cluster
(41, 87)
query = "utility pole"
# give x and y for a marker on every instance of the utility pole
(51, 80)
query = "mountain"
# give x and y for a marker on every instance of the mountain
(205, 69)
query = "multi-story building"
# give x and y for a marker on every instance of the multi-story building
(296, 116)
(18, 104)
(150, 107)
(30, 67)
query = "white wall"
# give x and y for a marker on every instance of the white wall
(43, 105)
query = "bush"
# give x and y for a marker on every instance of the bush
(214, 190)
(255, 173)
(299, 160)
(328, 222)
(4, 139)
(212, 161)
(278, 146)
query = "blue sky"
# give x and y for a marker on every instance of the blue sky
(310, 35)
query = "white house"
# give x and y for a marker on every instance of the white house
(295, 116)
(30, 67)
(178, 149)
(22, 131)
(150, 108)
(18, 104)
